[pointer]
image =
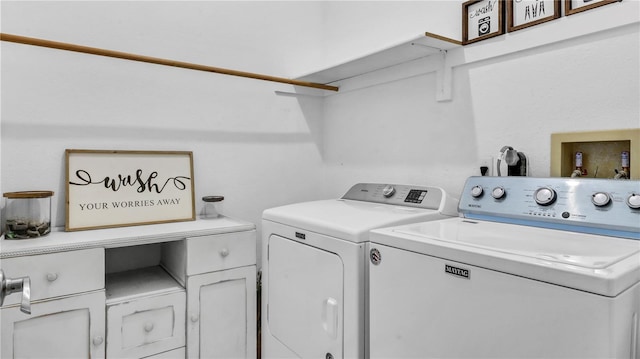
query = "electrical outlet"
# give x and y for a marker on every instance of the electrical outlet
(486, 162)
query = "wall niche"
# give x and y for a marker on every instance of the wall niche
(601, 153)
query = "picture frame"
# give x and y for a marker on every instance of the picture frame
(113, 188)
(575, 6)
(482, 19)
(525, 13)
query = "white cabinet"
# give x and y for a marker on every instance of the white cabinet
(159, 291)
(220, 275)
(66, 300)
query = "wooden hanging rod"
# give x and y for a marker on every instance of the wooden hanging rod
(154, 60)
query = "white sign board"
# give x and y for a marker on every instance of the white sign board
(124, 188)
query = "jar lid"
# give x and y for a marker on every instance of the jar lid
(213, 198)
(28, 194)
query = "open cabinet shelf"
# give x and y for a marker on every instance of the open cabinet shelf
(149, 281)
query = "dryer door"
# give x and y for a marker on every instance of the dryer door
(305, 300)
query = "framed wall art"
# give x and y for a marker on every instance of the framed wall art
(125, 188)
(575, 6)
(482, 19)
(525, 13)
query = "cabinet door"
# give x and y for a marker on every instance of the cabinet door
(71, 327)
(221, 309)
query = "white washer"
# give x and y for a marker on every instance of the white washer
(315, 263)
(535, 268)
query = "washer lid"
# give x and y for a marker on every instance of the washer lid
(598, 264)
(347, 219)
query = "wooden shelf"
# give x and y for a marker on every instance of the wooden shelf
(426, 45)
(154, 60)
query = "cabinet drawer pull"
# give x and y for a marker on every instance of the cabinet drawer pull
(194, 318)
(148, 327)
(224, 252)
(52, 276)
(97, 340)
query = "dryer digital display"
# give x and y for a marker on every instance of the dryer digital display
(415, 196)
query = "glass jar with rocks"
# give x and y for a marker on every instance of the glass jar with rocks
(27, 214)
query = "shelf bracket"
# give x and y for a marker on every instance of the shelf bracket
(444, 78)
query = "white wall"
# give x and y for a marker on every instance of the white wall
(387, 126)
(254, 147)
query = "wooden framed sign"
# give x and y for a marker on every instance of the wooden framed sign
(525, 13)
(126, 188)
(575, 6)
(482, 19)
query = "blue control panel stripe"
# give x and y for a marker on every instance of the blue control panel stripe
(603, 207)
(558, 226)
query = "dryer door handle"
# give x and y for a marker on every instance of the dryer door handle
(330, 317)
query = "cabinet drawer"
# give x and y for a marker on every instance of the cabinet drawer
(146, 326)
(57, 274)
(221, 251)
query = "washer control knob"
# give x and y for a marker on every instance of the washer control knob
(600, 199)
(388, 191)
(544, 196)
(633, 201)
(476, 191)
(498, 192)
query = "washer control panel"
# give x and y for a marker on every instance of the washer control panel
(395, 194)
(561, 203)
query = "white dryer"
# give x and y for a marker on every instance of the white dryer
(314, 266)
(535, 268)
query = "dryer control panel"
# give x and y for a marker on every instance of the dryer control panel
(396, 194)
(601, 206)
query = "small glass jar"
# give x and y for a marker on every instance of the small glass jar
(212, 206)
(27, 214)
